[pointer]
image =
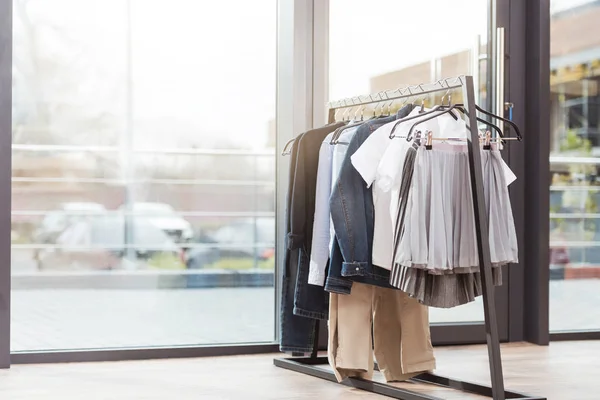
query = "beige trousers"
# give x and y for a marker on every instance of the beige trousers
(386, 320)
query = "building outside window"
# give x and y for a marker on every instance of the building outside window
(574, 164)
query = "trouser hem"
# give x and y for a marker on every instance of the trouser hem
(392, 377)
(301, 312)
(420, 367)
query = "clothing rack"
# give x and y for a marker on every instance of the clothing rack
(310, 365)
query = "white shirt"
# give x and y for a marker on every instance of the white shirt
(330, 163)
(368, 159)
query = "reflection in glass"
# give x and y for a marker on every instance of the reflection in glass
(574, 166)
(143, 178)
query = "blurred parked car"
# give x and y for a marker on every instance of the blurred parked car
(163, 216)
(100, 243)
(56, 221)
(248, 238)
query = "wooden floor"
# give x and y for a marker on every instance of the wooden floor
(562, 371)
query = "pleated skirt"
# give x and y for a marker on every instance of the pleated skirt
(436, 260)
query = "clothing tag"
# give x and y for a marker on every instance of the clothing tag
(508, 174)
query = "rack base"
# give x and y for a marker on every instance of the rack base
(309, 366)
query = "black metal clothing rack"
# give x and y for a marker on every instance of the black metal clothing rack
(310, 365)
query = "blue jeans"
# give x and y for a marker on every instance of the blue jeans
(309, 300)
(297, 332)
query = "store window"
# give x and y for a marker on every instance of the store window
(412, 55)
(143, 197)
(575, 165)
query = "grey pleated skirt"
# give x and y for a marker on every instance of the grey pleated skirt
(435, 243)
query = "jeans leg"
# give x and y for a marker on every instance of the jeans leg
(309, 301)
(297, 333)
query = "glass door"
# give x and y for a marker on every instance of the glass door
(399, 47)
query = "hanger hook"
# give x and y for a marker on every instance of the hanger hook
(379, 98)
(380, 106)
(383, 101)
(444, 96)
(352, 109)
(355, 113)
(417, 95)
(360, 107)
(407, 98)
(347, 111)
(337, 110)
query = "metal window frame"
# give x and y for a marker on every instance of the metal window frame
(536, 280)
(527, 77)
(111, 354)
(5, 175)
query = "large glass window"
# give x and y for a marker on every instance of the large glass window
(143, 173)
(575, 165)
(403, 52)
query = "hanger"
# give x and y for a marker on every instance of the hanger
(483, 121)
(338, 132)
(422, 112)
(461, 108)
(430, 117)
(508, 121)
(442, 109)
(286, 151)
(449, 100)
(421, 115)
(496, 128)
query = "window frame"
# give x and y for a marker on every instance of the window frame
(5, 176)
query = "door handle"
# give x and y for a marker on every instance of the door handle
(500, 58)
(475, 60)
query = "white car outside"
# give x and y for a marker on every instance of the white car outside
(164, 217)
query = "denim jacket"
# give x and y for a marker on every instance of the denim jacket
(352, 213)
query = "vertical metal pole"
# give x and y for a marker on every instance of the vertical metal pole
(537, 173)
(483, 243)
(5, 175)
(127, 145)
